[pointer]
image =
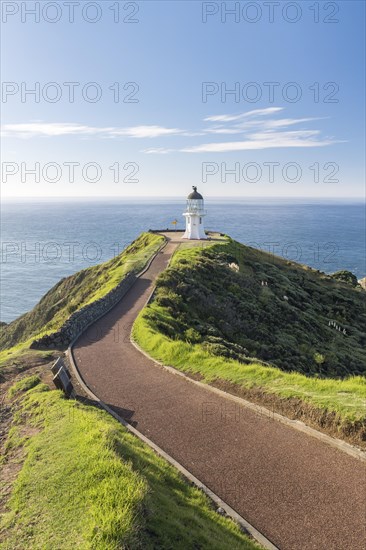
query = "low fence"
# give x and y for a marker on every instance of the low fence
(167, 230)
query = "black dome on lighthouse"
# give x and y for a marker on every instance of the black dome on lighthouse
(194, 195)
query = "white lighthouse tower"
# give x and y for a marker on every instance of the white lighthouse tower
(194, 215)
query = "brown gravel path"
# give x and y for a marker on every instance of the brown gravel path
(299, 492)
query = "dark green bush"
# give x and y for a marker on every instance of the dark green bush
(234, 315)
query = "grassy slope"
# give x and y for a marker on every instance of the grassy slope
(285, 322)
(87, 483)
(74, 292)
(200, 290)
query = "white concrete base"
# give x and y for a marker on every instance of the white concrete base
(194, 226)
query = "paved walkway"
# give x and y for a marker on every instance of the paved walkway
(299, 492)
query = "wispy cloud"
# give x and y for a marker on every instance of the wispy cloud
(221, 130)
(145, 131)
(264, 140)
(256, 129)
(34, 129)
(44, 129)
(231, 118)
(157, 151)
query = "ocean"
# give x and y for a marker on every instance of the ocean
(43, 241)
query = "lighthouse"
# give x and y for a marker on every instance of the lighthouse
(194, 215)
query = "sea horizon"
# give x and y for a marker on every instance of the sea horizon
(36, 235)
(208, 199)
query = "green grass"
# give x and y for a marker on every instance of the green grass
(199, 300)
(24, 384)
(88, 483)
(20, 358)
(17, 353)
(345, 397)
(73, 293)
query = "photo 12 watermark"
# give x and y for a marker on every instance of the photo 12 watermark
(69, 92)
(58, 252)
(68, 172)
(327, 252)
(269, 172)
(250, 12)
(70, 12)
(270, 91)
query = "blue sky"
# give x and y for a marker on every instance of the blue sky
(179, 131)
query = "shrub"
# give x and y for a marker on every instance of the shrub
(346, 277)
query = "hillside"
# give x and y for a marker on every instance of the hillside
(248, 321)
(74, 292)
(272, 331)
(269, 330)
(75, 467)
(87, 483)
(277, 311)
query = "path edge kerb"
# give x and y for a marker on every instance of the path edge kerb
(230, 512)
(343, 446)
(295, 424)
(340, 445)
(138, 275)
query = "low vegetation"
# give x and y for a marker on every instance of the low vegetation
(74, 292)
(87, 483)
(232, 313)
(259, 326)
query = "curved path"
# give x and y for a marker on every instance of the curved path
(299, 492)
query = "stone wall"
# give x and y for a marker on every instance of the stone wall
(84, 317)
